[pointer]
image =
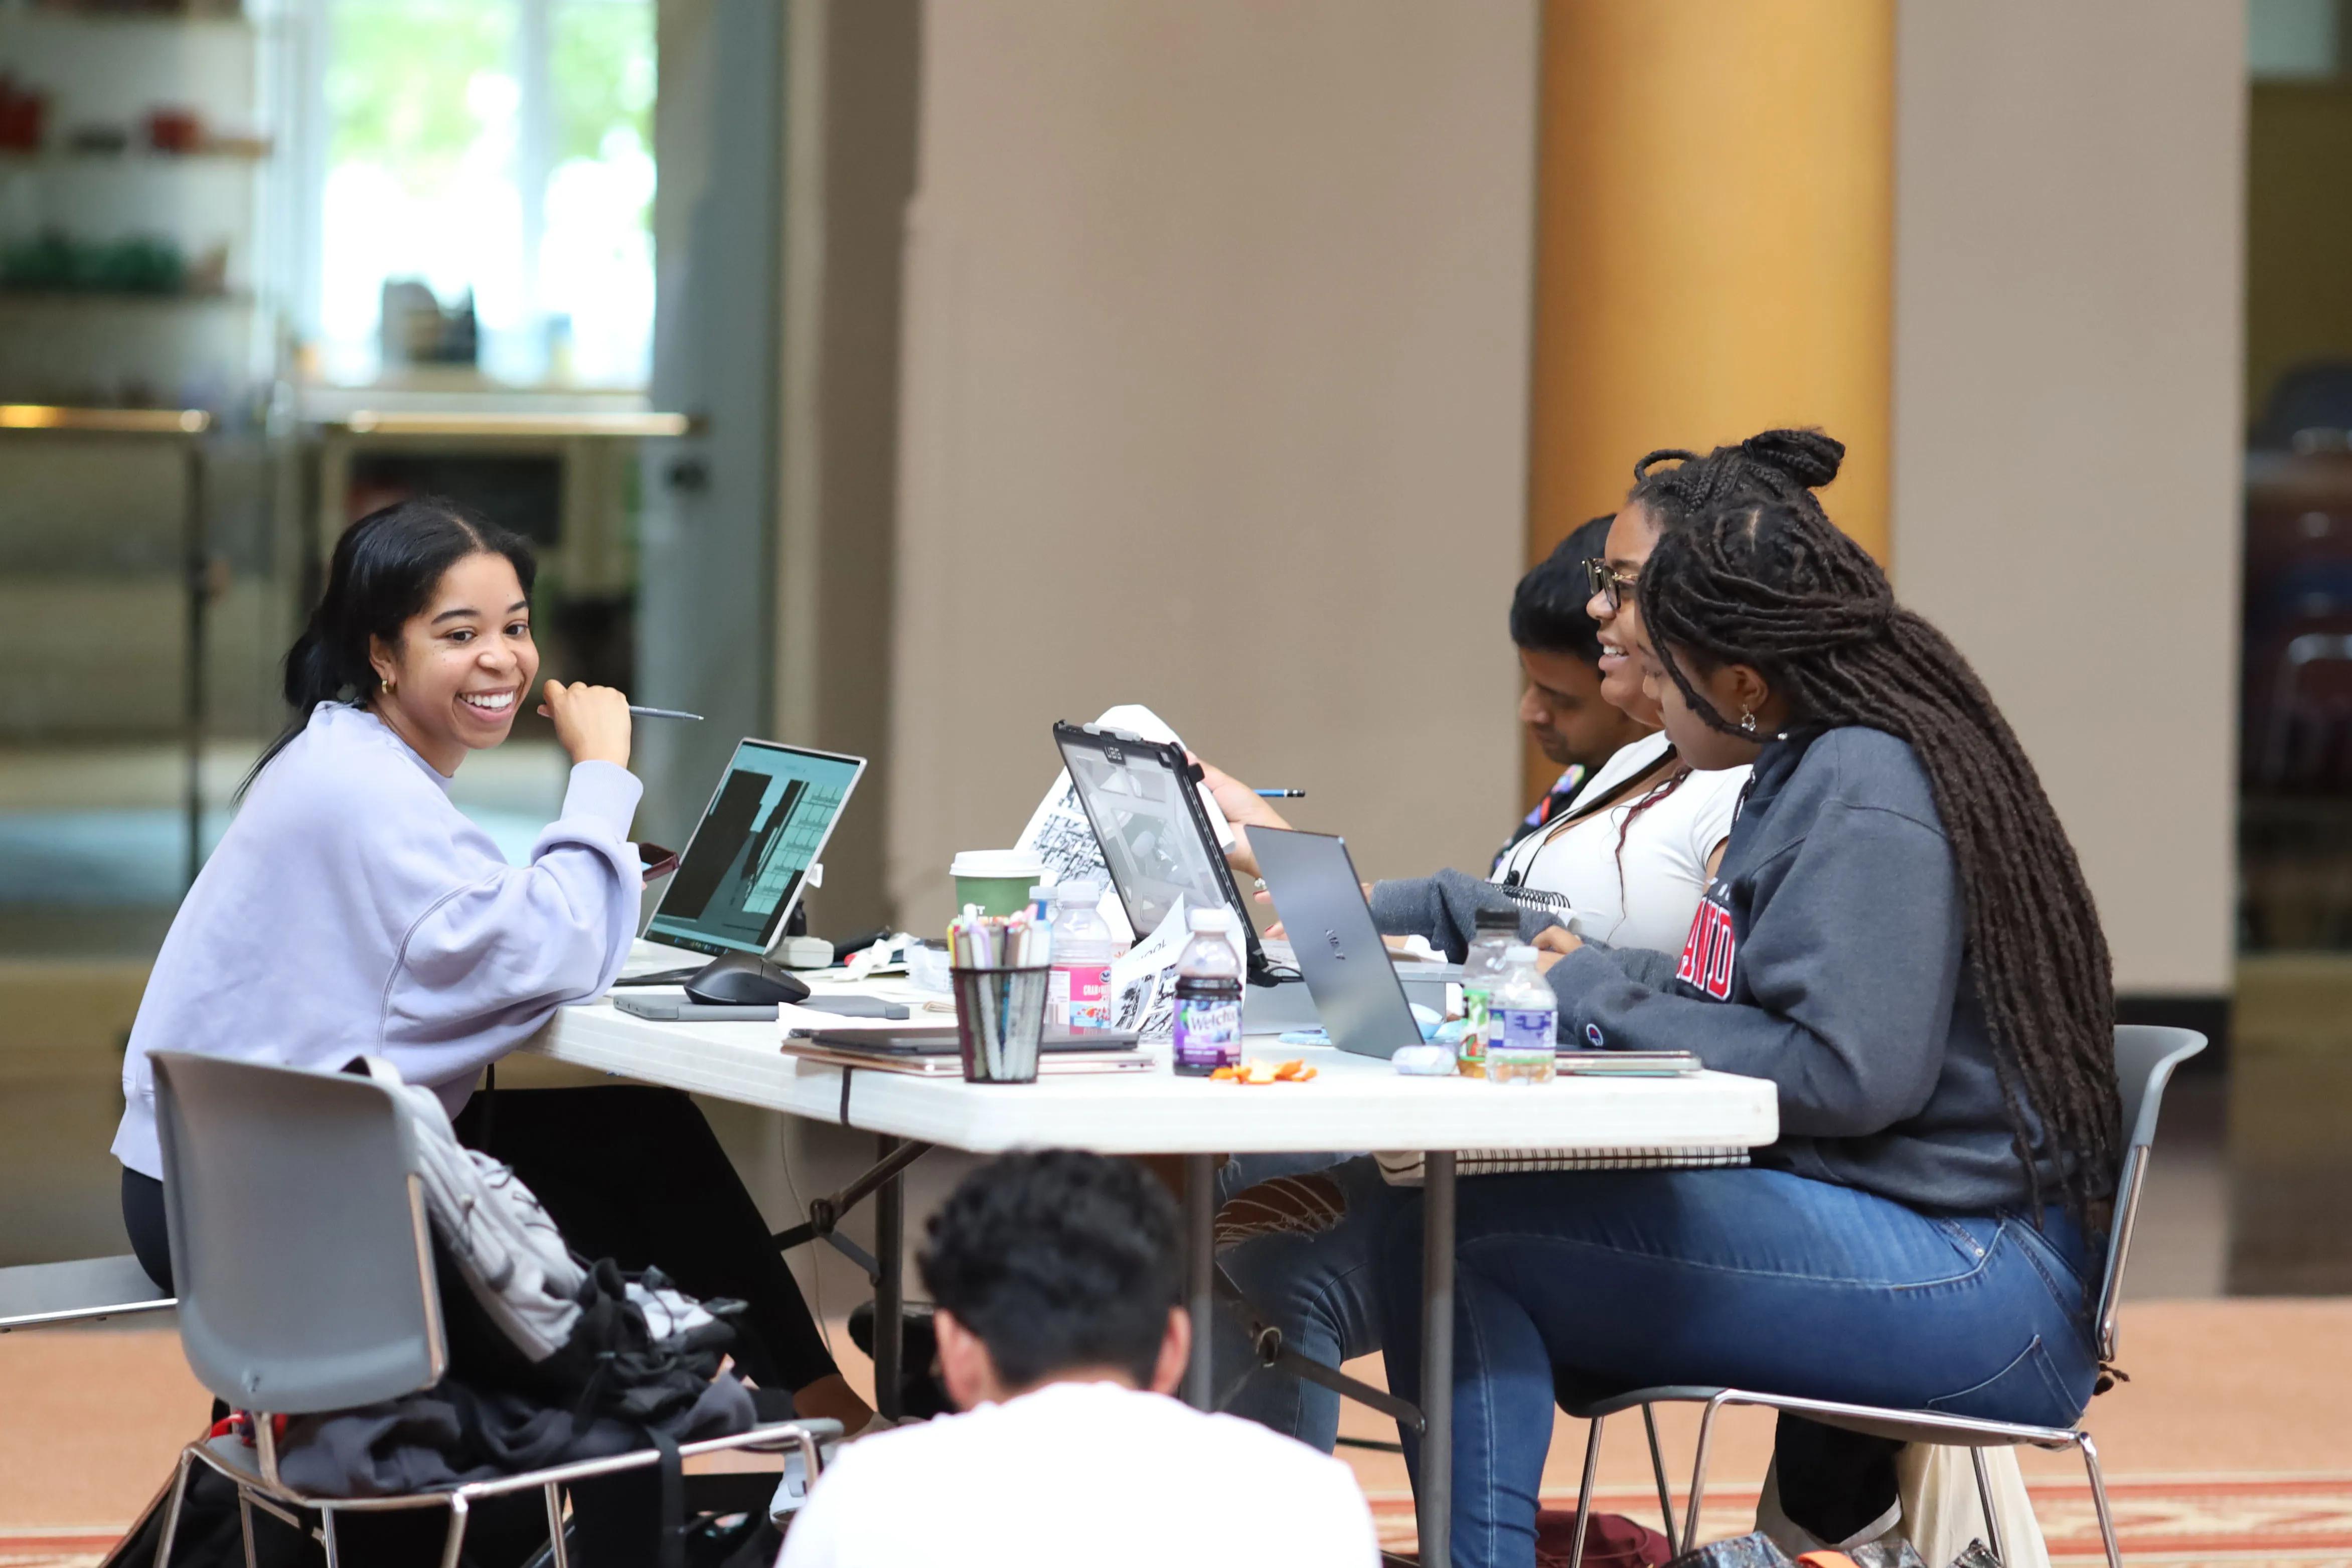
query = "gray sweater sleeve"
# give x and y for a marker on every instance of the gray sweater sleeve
(1443, 909)
(1846, 979)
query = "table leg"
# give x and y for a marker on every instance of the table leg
(1200, 1274)
(890, 1292)
(1437, 1360)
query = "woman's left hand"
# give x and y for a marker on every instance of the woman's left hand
(1553, 943)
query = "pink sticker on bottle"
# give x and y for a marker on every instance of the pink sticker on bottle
(1089, 996)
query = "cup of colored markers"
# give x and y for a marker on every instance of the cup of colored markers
(999, 967)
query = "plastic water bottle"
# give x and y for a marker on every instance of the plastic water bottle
(1079, 991)
(1482, 971)
(1521, 1049)
(1208, 996)
(1041, 911)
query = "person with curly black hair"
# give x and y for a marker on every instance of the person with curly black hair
(1056, 1276)
(1900, 937)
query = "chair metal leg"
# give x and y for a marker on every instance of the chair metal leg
(326, 1536)
(245, 1523)
(1658, 1470)
(1584, 1490)
(1984, 1503)
(1698, 1474)
(172, 1509)
(2099, 1499)
(559, 1553)
(458, 1509)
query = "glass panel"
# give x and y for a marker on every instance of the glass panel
(488, 192)
(596, 263)
(422, 104)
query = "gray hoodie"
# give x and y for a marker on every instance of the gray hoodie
(1827, 955)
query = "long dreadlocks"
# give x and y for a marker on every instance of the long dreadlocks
(1773, 584)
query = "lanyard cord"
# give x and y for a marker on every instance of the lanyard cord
(1584, 811)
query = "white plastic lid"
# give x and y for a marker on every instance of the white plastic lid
(1519, 952)
(1087, 892)
(1040, 892)
(1025, 864)
(1209, 919)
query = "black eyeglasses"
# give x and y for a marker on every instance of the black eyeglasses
(1606, 585)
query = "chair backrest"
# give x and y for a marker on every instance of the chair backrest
(299, 1243)
(2146, 1055)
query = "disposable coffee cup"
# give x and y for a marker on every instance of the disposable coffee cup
(998, 880)
(1000, 1023)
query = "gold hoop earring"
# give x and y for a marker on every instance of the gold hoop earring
(392, 686)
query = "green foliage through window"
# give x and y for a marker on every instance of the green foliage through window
(417, 86)
(603, 74)
(414, 84)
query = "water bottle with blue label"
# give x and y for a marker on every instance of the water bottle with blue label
(1524, 1023)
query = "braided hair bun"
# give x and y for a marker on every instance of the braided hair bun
(1809, 456)
(1784, 465)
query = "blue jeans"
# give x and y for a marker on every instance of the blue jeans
(1318, 1290)
(1750, 1278)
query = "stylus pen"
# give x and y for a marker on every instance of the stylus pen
(1282, 794)
(662, 713)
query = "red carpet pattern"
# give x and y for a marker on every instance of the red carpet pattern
(2165, 1521)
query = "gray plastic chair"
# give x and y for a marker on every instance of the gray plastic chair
(2144, 1058)
(86, 1290)
(304, 1260)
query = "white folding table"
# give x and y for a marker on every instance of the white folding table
(1354, 1102)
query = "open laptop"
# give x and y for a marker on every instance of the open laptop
(1338, 948)
(748, 863)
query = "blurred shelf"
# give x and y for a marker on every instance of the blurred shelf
(160, 21)
(142, 160)
(100, 297)
(456, 390)
(512, 425)
(104, 421)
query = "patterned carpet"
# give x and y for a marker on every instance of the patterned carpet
(2176, 1522)
(2172, 1522)
(54, 1548)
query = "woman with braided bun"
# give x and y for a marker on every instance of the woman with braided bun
(1900, 937)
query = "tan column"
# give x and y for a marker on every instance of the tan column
(1714, 236)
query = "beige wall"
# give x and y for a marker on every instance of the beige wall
(1214, 399)
(2067, 423)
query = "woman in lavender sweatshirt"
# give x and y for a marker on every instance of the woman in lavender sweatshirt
(353, 910)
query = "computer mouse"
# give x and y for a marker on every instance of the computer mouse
(746, 980)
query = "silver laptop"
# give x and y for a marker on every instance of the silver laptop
(1339, 950)
(749, 862)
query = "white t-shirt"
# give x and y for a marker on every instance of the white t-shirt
(1079, 1475)
(1651, 902)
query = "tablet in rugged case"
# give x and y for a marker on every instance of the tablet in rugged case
(1140, 798)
